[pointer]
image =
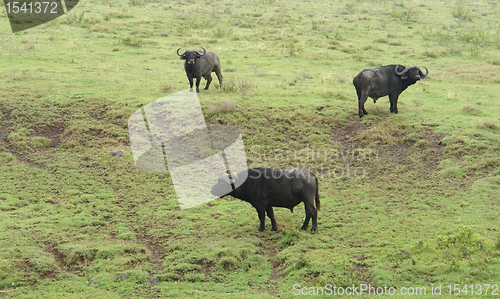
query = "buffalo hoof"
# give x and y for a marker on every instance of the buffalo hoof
(191, 90)
(260, 230)
(206, 88)
(360, 115)
(197, 90)
(275, 228)
(303, 228)
(314, 229)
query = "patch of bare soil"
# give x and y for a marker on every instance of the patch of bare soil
(58, 256)
(53, 133)
(206, 266)
(155, 249)
(269, 250)
(428, 148)
(346, 133)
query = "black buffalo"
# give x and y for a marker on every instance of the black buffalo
(265, 188)
(199, 65)
(389, 80)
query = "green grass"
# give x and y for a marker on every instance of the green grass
(407, 200)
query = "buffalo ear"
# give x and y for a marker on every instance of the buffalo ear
(183, 57)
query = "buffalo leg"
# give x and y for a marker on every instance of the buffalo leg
(262, 217)
(311, 212)
(198, 80)
(361, 105)
(306, 221)
(219, 74)
(393, 99)
(209, 80)
(270, 214)
(314, 221)
(190, 78)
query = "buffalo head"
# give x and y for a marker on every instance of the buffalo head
(191, 55)
(225, 184)
(412, 72)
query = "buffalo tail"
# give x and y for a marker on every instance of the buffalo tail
(316, 198)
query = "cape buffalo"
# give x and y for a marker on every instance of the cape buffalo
(389, 80)
(199, 65)
(265, 188)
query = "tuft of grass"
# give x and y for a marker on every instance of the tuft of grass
(164, 33)
(487, 124)
(470, 109)
(404, 13)
(166, 87)
(237, 86)
(136, 2)
(222, 32)
(115, 15)
(40, 142)
(376, 136)
(131, 41)
(222, 107)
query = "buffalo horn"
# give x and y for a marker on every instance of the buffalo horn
(426, 71)
(180, 54)
(204, 52)
(234, 178)
(405, 70)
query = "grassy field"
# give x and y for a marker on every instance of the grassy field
(408, 200)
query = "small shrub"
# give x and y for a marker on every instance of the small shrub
(461, 12)
(291, 45)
